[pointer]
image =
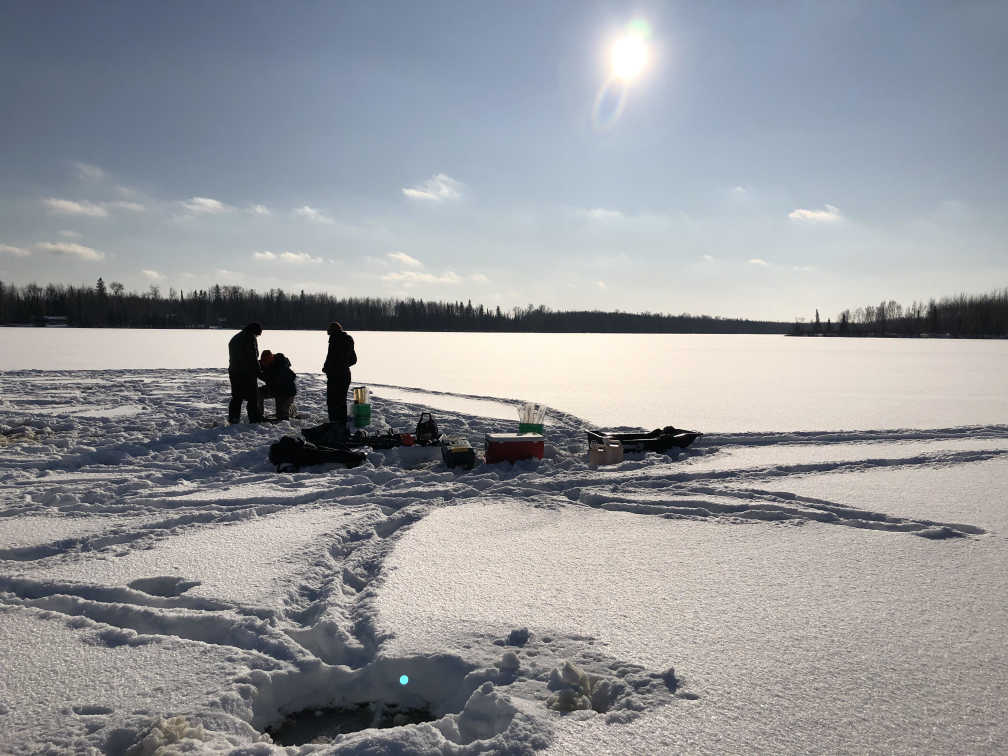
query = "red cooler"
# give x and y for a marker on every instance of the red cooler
(513, 447)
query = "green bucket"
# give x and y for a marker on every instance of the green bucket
(530, 427)
(361, 415)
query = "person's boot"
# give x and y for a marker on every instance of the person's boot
(284, 406)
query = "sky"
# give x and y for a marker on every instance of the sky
(766, 160)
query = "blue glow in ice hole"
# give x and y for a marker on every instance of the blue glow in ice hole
(403, 679)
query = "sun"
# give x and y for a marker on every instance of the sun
(628, 57)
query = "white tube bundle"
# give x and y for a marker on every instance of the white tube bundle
(531, 414)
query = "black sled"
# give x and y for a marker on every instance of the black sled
(658, 440)
(290, 454)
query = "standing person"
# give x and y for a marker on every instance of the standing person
(339, 358)
(243, 370)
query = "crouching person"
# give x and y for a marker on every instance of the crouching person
(280, 383)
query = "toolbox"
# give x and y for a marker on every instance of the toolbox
(512, 447)
(457, 452)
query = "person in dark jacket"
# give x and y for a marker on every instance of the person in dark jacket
(243, 370)
(339, 358)
(280, 383)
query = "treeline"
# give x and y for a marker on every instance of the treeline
(112, 306)
(963, 316)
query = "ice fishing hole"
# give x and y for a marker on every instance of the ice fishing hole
(321, 725)
(331, 701)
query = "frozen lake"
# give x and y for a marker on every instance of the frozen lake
(709, 382)
(815, 590)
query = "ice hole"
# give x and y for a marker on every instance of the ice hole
(322, 725)
(322, 701)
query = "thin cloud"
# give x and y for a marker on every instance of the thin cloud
(71, 234)
(438, 188)
(312, 214)
(830, 215)
(89, 172)
(259, 210)
(7, 249)
(204, 206)
(70, 249)
(152, 275)
(71, 207)
(479, 278)
(134, 207)
(409, 277)
(739, 190)
(707, 258)
(758, 261)
(603, 215)
(406, 259)
(289, 257)
(299, 257)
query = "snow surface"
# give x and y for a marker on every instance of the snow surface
(162, 587)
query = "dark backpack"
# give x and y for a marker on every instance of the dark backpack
(426, 430)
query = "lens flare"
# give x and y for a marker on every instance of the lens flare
(609, 104)
(403, 679)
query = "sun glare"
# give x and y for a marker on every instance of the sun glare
(628, 57)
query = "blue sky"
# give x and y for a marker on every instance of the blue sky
(770, 158)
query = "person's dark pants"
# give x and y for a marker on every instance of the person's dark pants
(244, 388)
(283, 403)
(337, 385)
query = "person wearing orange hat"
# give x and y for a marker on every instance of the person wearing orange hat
(280, 385)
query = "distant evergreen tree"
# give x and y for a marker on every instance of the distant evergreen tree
(233, 306)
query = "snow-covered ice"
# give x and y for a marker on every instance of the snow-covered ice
(161, 585)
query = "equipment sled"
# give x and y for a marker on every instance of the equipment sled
(327, 434)
(290, 454)
(658, 440)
